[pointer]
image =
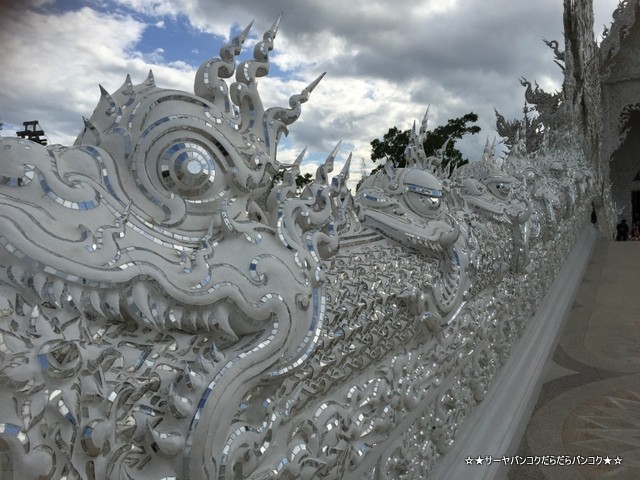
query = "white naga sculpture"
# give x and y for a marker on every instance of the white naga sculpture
(166, 311)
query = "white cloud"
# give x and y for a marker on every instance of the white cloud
(40, 3)
(170, 8)
(52, 65)
(157, 56)
(386, 61)
(428, 8)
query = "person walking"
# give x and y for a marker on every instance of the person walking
(623, 231)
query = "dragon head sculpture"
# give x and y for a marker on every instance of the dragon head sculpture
(154, 222)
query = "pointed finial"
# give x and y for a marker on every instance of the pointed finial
(262, 49)
(286, 116)
(486, 152)
(246, 31)
(425, 120)
(106, 96)
(103, 92)
(298, 160)
(87, 123)
(227, 52)
(127, 86)
(91, 127)
(150, 80)
(443, 149)
(327, 167)
(339, 182)
(315, 83)
(328, 164)
(344, 173)
(276, 25)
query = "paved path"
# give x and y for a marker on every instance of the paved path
(589, 405)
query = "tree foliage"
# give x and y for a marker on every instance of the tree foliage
(391, 147)
(395, 141)
(301, 180)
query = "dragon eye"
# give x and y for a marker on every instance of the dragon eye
(501, 189)
(432, 203)
(187, 167)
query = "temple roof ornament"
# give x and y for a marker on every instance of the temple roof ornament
(559, 55)
(624, 17)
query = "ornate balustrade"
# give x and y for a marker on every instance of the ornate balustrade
(168, 312)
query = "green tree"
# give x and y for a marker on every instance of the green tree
(395, 141)
(391, 147)
(301, 180)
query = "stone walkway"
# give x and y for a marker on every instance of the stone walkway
(589, 405)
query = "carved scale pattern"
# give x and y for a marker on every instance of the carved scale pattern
(167, 312)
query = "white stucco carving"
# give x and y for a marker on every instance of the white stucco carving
(167, 312)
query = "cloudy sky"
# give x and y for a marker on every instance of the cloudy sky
(386, 60)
